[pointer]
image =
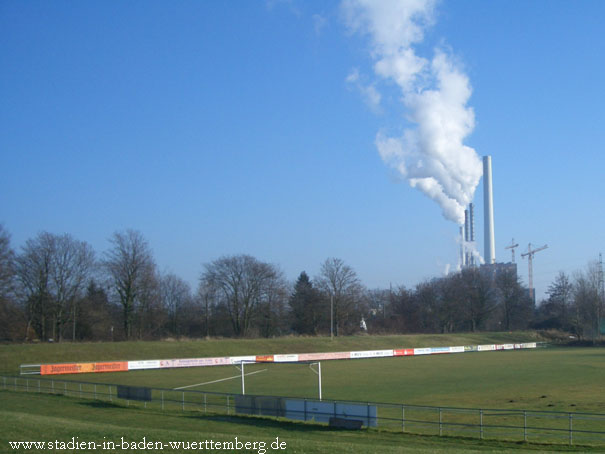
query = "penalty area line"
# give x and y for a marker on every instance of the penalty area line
(219, 380)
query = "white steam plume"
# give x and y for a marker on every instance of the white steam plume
(431, 155)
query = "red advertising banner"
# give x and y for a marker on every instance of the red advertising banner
(403, 352)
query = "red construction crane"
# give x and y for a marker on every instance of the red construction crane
(530, 258)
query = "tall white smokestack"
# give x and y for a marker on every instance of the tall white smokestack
(488, 210)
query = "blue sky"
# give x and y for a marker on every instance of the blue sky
(221, 128)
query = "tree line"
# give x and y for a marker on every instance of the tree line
(58, 288)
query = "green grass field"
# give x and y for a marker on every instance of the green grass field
(550, 379)
(48, 418)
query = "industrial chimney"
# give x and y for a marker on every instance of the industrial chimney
(488, 212)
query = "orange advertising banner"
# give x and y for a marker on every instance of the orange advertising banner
(264, 358)
(115, 366)
(69, 368)
(83, 368)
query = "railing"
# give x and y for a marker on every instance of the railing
(502, 424)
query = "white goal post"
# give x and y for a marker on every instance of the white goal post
(311, 364)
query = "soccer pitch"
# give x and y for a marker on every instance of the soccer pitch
(543, 379)
(557, 379)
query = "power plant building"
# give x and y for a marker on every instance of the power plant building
(469, 256)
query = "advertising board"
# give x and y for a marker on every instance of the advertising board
(240, 359)
(372, 354)
(194, 362)
(83, 368)
(285, 358)
(264, 358)
(323, 356)
(147, 364)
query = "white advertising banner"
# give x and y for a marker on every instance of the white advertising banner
(240, 359)
(194, 362)
(372, 354)
(285, 358)
(139, 365)
(457, 349)
(486, 348)
(422, 351)
(323, 356)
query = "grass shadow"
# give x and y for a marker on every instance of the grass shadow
(295, 426)
(101, 404)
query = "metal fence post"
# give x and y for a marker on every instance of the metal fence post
(228, 407)
(65, 388)
(481, 423)
(110, 399)
(305, 409)
(570, 429)
(95, 391)
(27, 384)
(524, 425)
(80, 390)
(39, 386)
(440, 426)
(403, 418)
(52, 385)
(162, 400)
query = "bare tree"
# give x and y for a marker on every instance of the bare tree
(205, 298)
(130, 267)
(588, 303)
(53, 271)
(241, 284)
(175, 293)
(33, 273)
(426, 298)
(7, 264)
(71, 267)
(479, 297)
(405, 313)
(515, 305)
(343, 290)
(11, 315)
